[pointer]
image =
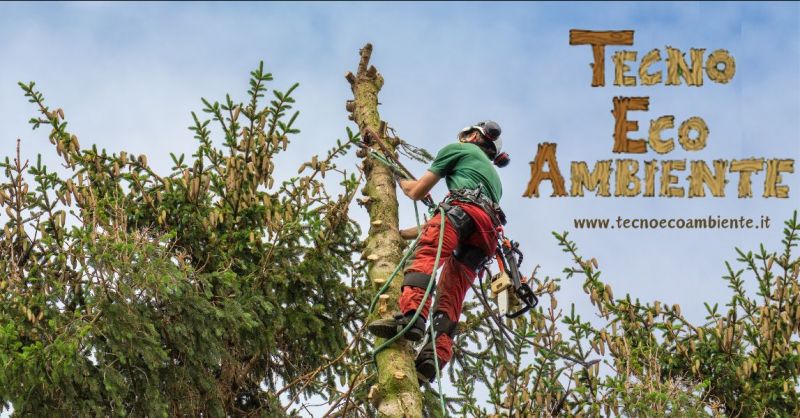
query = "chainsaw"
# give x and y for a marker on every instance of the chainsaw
(509, 282)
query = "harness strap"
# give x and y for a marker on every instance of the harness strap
(417, 279)
(478, 197)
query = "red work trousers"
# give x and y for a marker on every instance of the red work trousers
(455, 278)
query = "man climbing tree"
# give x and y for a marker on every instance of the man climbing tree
(470, 239)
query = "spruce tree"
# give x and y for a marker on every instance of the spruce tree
(202, 290)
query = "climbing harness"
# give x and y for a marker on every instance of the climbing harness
(479, 197)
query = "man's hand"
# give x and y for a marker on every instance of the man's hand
(409, 233)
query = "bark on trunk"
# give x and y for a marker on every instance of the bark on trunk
(397, 392)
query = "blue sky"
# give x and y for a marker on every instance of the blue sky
(128, 75)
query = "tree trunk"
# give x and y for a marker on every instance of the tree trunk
(397, 392)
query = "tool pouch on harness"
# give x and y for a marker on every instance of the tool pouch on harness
(459, 220)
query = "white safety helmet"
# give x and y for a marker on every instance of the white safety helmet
(489, 129)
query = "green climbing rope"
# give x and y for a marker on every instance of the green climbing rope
(389, 163)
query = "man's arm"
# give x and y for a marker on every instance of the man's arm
(418, 189)
(409, 233)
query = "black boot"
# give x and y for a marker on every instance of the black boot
(388, 328)
(426, 365)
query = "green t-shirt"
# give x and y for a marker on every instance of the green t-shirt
(466, 166)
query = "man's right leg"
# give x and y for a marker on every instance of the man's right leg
(417, 277)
